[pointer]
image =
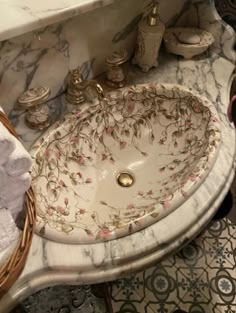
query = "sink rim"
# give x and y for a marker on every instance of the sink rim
(212, 156)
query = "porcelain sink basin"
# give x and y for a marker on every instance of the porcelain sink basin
(112, 168)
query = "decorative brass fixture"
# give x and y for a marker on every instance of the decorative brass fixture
(125, 179)
(77, 86)
(37, 116)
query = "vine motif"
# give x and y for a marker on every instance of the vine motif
(154, 122)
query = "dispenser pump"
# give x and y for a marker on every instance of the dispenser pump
(150, 34)
(153, 16)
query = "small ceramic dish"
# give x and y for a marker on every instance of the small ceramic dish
(187, 42)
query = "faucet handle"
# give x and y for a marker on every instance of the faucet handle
(37, 116)
(115, 76)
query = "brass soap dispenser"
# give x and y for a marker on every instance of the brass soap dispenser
(150, 34)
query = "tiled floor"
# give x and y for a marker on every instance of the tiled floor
(201, 278)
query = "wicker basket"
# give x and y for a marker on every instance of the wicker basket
(11, 270)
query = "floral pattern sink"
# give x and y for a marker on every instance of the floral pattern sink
(165, 136)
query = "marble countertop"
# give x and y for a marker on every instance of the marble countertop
(50, 263)
(22, 16)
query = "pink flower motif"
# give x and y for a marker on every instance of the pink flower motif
(60, 209)
(47, 153)
(131, 107)
(192, 177)
(88, 181)
(184, 194)
(49, 211)
(78, 114)
(166, 204)
(104, 232)
(57, 154)
(109, 130)
(130, 206)
(80, 160)
(82, 211)
(214, 118)
(75, 139)
(123, 144)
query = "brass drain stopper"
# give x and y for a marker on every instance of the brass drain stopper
(125, 179)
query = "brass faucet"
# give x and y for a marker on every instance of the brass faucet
(77, 86)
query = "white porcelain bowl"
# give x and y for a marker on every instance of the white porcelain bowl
(175, 45)
(159, 140)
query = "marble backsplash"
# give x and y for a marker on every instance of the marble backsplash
(45, 56)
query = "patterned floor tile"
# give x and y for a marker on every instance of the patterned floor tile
(129, 288)
(231, 308)
(63, 299)
(160, 284)
(219, 252)
(232, 228)
(216, 229)
(222, 285)
(158, 292)
(161, 307)
(193, 286)
(194, 254)
(198, 308)
(215, 290)
(131, 307)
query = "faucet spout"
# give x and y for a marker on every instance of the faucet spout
(82, 86)
(77, 87)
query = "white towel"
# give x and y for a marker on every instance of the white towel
(14, 206)
(19, 161)
(13, 187)
(8, 230)
(7, 144)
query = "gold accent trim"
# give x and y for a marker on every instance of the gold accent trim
(32, 100)
(77, 87)
(125, 179)
(153, 16)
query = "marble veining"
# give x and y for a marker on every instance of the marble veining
(21, 16)
(51, 263)
(44, 56)
(107, 261)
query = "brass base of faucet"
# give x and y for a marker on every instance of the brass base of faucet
(75, 99)
(38, 118)
(77, 87)
(114, 84)
(32, 100)
(38, 126)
